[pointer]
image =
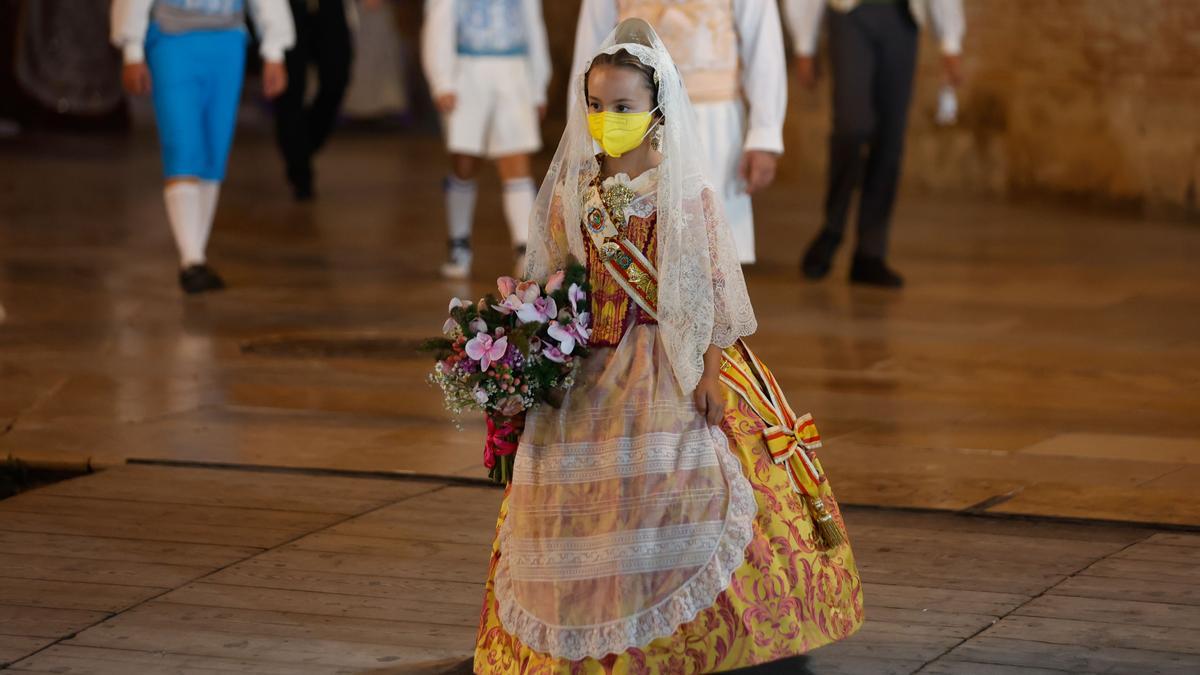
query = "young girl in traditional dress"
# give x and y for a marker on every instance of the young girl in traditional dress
(669, 516)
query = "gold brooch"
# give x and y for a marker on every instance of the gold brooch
(609, 250)
(616, 199)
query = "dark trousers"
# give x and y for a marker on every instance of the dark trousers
(873, 50)
(322, 39)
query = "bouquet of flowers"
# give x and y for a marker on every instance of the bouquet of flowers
(506, 354)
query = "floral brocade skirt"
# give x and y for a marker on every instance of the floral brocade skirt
(789, 596)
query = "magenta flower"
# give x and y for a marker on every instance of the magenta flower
(485, 350)
(553, 353)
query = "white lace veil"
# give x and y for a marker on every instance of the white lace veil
(702, 296)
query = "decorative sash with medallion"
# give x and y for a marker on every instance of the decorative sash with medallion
(622, 258)
(792, 440)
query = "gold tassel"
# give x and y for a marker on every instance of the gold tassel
(827, 529)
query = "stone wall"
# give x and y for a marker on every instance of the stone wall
(1095, 101)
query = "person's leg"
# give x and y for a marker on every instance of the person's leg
(225, 64)
(291, 128)
(185, 212)
(179, 94)
(210, 192)
(853, 61)
(461, 191)
(466, 130)
(513, 135)
(519, 194)
(895, 63)
(333, 53)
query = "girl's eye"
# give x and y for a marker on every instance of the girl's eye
(622, 108)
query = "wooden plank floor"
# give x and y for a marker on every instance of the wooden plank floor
(1040, 361)
(141, 569)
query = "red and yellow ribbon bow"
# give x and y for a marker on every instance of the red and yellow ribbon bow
(790, 439)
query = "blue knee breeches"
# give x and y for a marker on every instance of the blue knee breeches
(196, 83)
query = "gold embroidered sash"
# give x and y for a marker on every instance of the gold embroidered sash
(631, 270)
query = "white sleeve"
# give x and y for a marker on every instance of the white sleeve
(275, 27)
(804, 23)
(539, 49)
(439, 48)
(597, 18)
(129, 20)
(764, 72)
(949, 23)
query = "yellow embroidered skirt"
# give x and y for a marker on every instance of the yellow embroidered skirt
(789, 596)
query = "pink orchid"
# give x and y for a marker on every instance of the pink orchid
(541, 310)
(570, 334)
(582, 325)
(477, 325)
(576, 295)
(507, 286)
(450, 328)
(555, 281)
(553, 353)
(485, 350)
(456, 303)
(511, 304)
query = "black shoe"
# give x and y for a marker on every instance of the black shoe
(199, 279)
(303, 192)
(301, 180)
(817, 259)
(873, 271)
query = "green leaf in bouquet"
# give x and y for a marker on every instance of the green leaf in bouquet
(439, 347)
(519, 339)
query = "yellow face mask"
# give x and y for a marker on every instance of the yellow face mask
(618, 133)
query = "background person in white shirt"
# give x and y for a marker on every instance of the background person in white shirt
(731, 56)
(873, 49)
(488, 65)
